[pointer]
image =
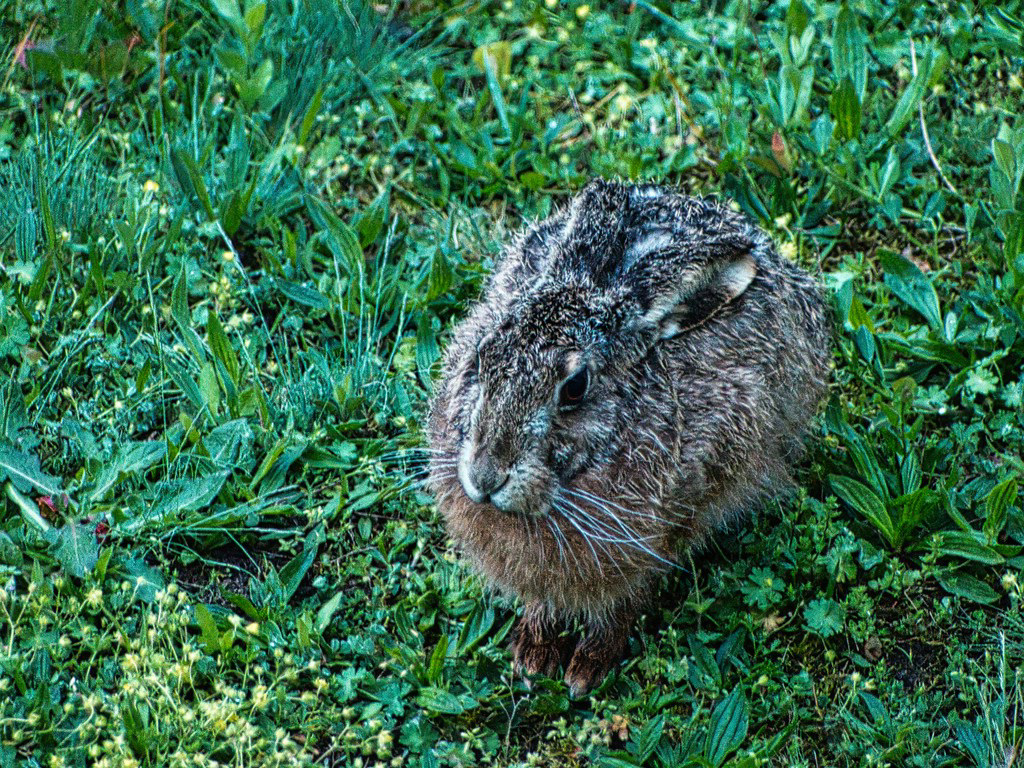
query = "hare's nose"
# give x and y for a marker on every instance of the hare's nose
(481, 478)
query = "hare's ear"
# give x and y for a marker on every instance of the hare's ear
(678, 289)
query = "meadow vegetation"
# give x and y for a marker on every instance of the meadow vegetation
(233, 238)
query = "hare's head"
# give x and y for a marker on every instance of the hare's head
(557, 359)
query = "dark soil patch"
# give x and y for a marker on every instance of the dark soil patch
(915, 662)
(229, 570)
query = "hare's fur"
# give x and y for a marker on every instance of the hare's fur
(706, 356)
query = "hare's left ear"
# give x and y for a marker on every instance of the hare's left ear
(681, 286)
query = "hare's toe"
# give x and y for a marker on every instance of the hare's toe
(595, 656)
(538, 644)
(531, 660)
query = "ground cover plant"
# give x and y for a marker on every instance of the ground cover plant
(232, 240)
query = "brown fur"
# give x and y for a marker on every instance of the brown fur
(707, 355)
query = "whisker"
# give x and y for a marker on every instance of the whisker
(554, 536)
(602, 536)
(564, 544)
(631, 535)
(588, 496)
(422, 482)
(633, 538)
(570, 519)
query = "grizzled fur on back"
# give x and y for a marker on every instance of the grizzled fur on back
(702, 356)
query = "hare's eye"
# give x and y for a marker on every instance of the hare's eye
(574, 389)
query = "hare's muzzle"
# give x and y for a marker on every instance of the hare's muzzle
(481, 477)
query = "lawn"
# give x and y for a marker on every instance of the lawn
(233, 242)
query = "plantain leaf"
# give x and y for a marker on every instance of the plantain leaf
(997, 504)
(845, 109)
(865, 501)
(911, 285)
(729, 721)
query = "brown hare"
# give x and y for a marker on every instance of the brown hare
(641, 367)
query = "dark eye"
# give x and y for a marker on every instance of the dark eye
(574, 389)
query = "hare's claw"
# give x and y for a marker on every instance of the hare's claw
(596, 655)
(538, 645)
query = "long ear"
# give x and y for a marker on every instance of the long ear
(676, 288)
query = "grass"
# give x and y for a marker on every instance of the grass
(232, 242)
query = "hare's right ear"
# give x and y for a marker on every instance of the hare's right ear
(678, 288)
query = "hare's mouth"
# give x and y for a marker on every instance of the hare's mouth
(513, 499)
(524, 489)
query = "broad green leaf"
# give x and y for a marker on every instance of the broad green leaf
(975, 744)
(311, 112)
(865, 501)
(875, 707)
(704, 662)
(441, 275)
(911, 285)
(997, 504)
(825, 617)
(1005, 159)
(301, 294)
(436, 665)
(438, 700)
(845, 109)
(910, 472)
(964, 545)
(183, 318)
(729, 722)
(295, 570)
(131, 459)
(427, 349)
(221, 347)
(967, 586)
(210, 387)
(341, 239)
(327, 611)
(494, 88)
(24, 472)
(910, 98)
(29, 509)
(209, 632)
(371, 221)
(646, 740)
(190, 179)
(849, 51)
(797, 18)
(25, 236)
(475, 628)
(229, 9)
(187, 495)
(75, 548)
(146, 580)
(890, 172)
(255, 15)
(229, 444)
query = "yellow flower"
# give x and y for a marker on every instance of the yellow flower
(787, 251)
(582, 12)
(151, 186)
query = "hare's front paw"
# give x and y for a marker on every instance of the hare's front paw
(539, 646)
(596, 655)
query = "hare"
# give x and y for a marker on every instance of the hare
(640, 369)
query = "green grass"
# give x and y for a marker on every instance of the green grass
(232, 242)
